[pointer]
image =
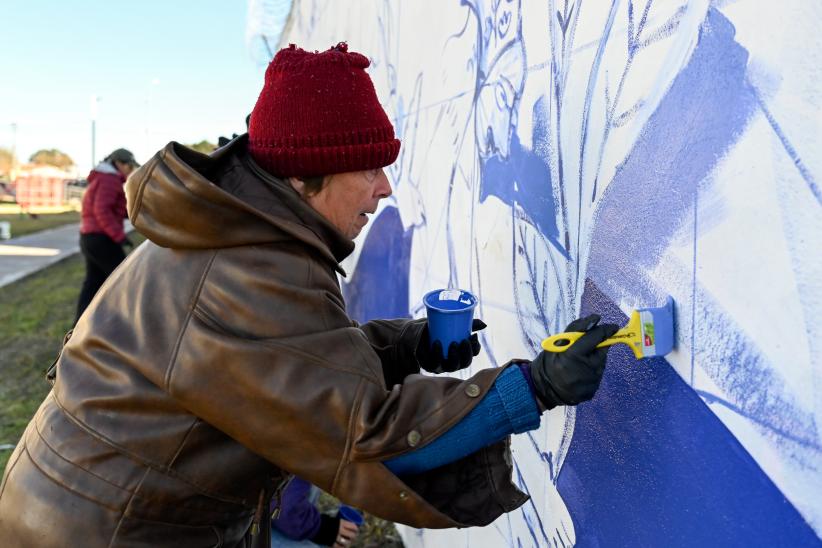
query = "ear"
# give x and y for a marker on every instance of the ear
(298, 185)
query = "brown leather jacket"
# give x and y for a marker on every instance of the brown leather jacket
(220, 355)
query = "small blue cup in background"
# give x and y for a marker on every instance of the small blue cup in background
(450, 312)
(350, 514)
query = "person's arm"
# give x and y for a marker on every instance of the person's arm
(299, 519)
(517, 399)
(394, 342)
(283, 371)
(404, 348)
(508, 408)
(105, 208)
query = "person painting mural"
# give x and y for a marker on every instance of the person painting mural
(219, 359)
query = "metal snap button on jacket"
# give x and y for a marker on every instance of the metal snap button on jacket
(414, 438)
(472, 390)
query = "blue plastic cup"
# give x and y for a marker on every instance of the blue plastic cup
(350, 514)
(450, 313)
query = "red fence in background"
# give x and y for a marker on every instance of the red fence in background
(41, 187)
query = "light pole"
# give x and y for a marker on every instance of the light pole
(149, 95)
(94, 100)
(13, 167)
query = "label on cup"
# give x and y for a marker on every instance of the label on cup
(450, 295)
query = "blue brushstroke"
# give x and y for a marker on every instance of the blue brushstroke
(694, 285)
(372, 293)
(524, 179)
(611, 107)
(702, 115)
(744, 374)
(712, 398)
(651, 465)
(669, 164)
(789, 148)
(586, 109)
(528, 521)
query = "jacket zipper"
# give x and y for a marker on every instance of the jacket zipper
(263, 500)
(279, 496)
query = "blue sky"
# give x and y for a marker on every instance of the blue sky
(164, 70)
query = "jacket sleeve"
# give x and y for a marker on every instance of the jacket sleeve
(510, 408)
(285, 372)
(327, 386)
(395, 343)
(106, 210)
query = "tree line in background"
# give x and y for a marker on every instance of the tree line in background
(6, 163)
(49, 157)
(59, 159)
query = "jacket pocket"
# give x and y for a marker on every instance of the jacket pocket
(142, 532)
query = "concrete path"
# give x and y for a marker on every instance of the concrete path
(25, 255)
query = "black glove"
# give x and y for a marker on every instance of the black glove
(573, 376)
(127, 244)
(460, 355)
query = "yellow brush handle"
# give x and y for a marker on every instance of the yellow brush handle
(631, 335)
(563, 341)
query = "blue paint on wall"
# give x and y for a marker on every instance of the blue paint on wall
(523, 178)
(379, 286)
(651, 465)
(673, 156)
(661, 180)
(791, 150)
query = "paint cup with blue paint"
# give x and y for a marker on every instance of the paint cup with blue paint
(450, 312)
(350, 514)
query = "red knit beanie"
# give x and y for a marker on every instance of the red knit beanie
(318, 114)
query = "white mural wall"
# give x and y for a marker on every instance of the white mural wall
(562, 157)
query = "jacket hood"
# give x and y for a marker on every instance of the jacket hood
(183, 199)
(105, 167)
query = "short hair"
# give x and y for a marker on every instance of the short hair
(313, 184)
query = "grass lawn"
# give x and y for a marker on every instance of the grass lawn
(35, 313)
(22, 223)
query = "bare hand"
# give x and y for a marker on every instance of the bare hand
(347, 533)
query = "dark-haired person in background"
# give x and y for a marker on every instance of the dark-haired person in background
(102, 237)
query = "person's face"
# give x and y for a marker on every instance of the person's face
(124, 168)
(347, 198)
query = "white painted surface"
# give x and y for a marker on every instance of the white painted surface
(744, 260)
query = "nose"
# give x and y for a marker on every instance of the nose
(383, 188)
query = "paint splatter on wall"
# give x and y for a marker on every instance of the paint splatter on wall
(561, 157)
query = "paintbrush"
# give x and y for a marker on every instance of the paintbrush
(649, 333)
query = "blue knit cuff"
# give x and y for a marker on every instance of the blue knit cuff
(519, 403)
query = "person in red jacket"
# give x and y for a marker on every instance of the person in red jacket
(102, 237)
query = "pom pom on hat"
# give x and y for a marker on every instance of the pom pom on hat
(318, 114)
